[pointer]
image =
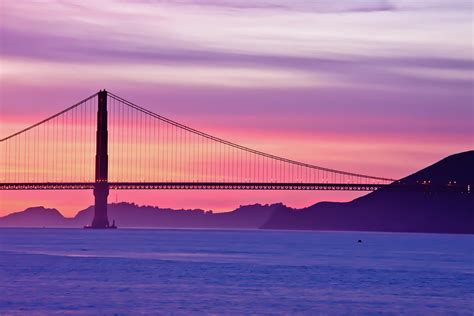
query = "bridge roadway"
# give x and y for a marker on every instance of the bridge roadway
(233, 186)
(193, 186)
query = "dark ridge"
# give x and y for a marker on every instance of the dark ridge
(397, 210)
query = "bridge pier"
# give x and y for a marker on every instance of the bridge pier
(101, 192)
(101, 186)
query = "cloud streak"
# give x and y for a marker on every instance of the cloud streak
(270, 37)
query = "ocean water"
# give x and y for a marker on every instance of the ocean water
(138, 271)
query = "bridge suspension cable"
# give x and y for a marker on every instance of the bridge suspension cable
(145, 147)
(247, 149)
(59, 148)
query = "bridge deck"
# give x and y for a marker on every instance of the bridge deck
(193, 186)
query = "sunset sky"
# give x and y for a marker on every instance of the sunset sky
(377, 87)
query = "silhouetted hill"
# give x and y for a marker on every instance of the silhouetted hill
(35, 217)
(390, 209)
(132, 215)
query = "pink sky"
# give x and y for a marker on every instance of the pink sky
(377, 87)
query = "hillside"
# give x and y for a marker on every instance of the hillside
(132, 215)
(35, 217)
(390, 209)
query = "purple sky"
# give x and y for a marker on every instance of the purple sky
(379, 87)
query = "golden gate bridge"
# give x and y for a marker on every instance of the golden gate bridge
(106, 142)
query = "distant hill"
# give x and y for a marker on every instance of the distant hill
(35, 217)
(387, 209)
(397, 210)
(132, 215)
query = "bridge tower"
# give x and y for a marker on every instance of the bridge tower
(101, 186)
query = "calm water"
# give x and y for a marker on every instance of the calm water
(44, 271)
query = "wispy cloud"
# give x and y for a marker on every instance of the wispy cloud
(360, 44)
(318, 6)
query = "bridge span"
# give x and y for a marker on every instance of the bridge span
(105, 142)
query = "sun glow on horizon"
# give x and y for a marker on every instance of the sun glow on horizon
(361, 86)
